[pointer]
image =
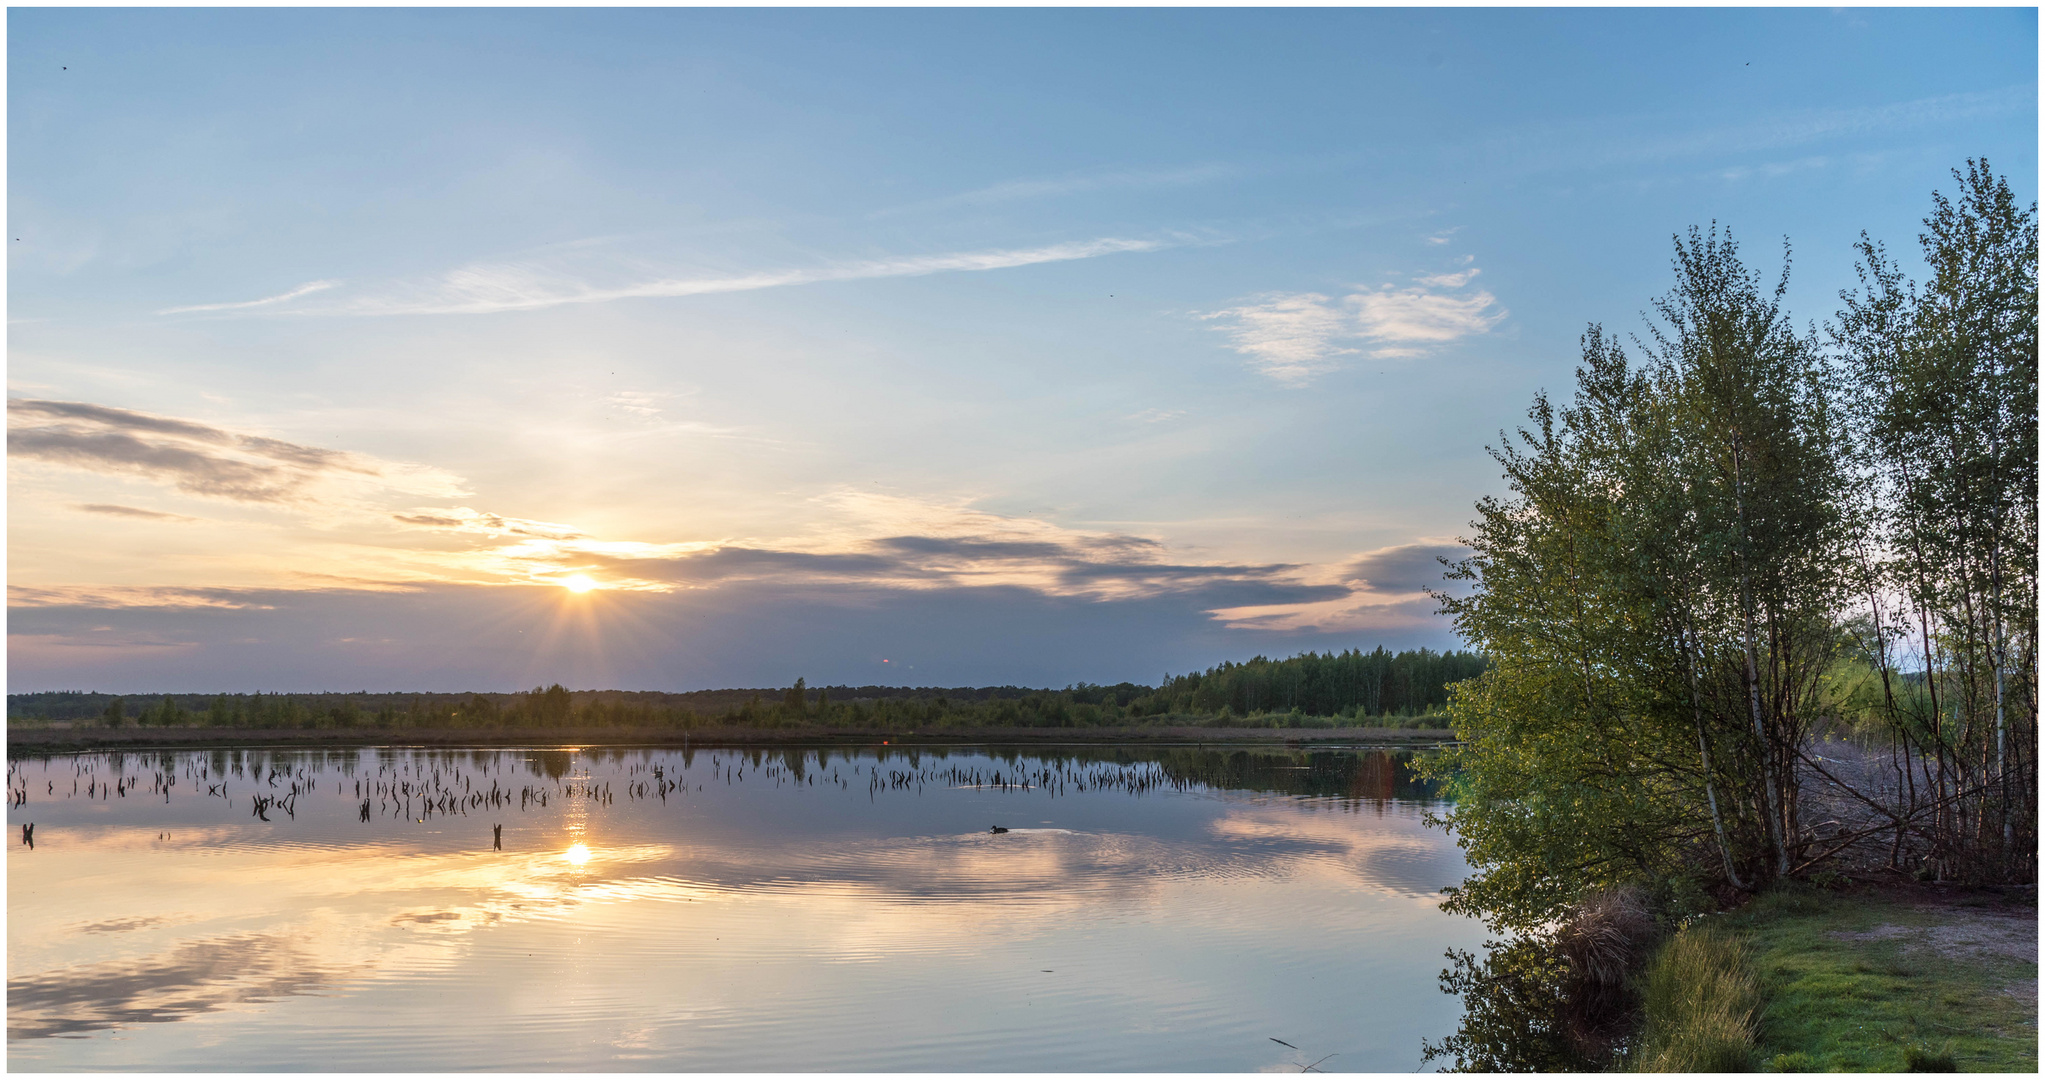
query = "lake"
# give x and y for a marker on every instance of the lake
(722, 909)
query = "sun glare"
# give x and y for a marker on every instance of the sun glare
(579, 583)
(577, 853)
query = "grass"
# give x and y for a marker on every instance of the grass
(1873, 982)
(1699, 1003)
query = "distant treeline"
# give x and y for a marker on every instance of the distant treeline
(1309, 690)
(1346, 684)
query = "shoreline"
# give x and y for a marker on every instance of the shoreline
(22, 740)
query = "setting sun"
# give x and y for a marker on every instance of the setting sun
(579, 583)
(577, 853)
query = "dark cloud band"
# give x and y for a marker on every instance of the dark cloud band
(744, 633)
(194, 458)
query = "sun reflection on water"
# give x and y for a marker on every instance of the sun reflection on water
(370, 928)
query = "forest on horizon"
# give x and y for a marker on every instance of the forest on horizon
(1350, 688)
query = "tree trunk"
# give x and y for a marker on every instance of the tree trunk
(1770, 798)
(1704, 753)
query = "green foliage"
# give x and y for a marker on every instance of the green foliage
(1654, 598)
(552, 705)
(1850, 697)
(1699, 1006)
(1543, 807)
(1352, 684)
(1942, 391)
(1692, 580)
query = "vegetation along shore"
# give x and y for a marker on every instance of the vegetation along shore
(1377, 694)
(30, 740)
(1750, 779)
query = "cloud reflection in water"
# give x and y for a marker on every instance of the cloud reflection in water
(782, 908)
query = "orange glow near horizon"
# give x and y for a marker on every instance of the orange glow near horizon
(578, 583)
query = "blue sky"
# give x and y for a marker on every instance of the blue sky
(869, 346)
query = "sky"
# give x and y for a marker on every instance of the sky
(471, 349)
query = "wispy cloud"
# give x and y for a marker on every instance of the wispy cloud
(1770, 169)
(1293, 338)
(1449, 281)
(1603, 142)
(1403, 318)
(129, 596)
(241, 305)
(637, 402)
(1791, 128)
(526, 285)
(462, 519)
(114, 510)
(1071, 184)
(1290, 338)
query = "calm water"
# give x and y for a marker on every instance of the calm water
(725, 910)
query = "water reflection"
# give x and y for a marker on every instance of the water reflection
(195, 977)
(725, 909)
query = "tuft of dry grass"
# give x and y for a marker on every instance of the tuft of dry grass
(1605, 935)
(1604, 941)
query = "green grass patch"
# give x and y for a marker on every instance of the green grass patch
(1860, 982)
(1698, 1005)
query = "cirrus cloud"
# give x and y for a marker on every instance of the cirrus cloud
(591, 274)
